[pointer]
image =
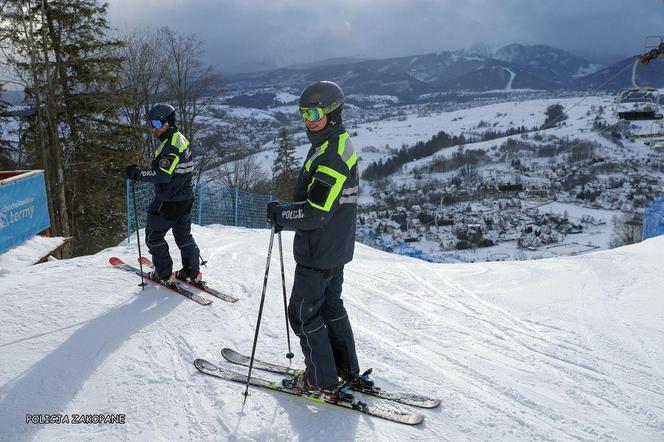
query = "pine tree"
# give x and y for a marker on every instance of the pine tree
(60, 51)
(554, 114)
(284, 169)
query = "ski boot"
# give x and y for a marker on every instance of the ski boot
(299, 383)
(362, 382)
(168, 281)
(197, 280)
(340, 392)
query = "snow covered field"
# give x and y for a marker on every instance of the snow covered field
(412, 128)
(557, 349)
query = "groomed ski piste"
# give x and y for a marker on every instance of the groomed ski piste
(557, 349)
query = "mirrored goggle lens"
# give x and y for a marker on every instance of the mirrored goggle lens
(156, 124)
(311, 113)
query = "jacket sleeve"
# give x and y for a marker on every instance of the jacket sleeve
(323, 193)
(162, 166)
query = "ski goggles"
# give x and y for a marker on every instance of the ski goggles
(312, 113)
(156, 124)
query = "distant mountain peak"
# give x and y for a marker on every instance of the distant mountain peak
(482, 49)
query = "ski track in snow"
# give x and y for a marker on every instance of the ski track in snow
(508, 86)
(558, 349)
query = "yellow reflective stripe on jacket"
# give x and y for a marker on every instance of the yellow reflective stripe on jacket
(174, 164)
(181, 144)
(161, 146)
(177, 140)
(339, 178)
(346, 150)
(320, 151)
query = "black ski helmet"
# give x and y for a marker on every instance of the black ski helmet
(164, 113)
(324, 94)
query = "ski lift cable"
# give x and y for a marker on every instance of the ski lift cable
(596, 134)
(597, 89)
(636, 63)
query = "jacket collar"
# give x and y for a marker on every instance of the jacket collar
(318, 138)
(168, 134)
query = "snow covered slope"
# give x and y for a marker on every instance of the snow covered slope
(553, 349)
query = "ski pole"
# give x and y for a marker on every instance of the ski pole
(290, 354)
(260, 314)
(138, 236)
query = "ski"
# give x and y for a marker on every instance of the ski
(380, 411)
(404, 398)
(224, 297)
(177, 288)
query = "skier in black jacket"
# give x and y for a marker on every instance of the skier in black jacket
(324, 218)
(171, 172)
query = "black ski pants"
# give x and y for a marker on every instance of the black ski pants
(318, 317)
(158, 224)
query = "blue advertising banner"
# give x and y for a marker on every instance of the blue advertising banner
(23, 209)
(653, 220)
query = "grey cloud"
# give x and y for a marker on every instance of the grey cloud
(241, 34)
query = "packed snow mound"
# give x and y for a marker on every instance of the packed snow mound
(29, 252)
(553, 349)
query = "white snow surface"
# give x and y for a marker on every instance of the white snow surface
(588, 70)
(286, 97)
(555, 349)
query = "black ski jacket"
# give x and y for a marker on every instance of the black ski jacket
(325, 209)
(171, 169)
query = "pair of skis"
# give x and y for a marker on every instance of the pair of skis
(208, 368)
(180, 287)
(377, 410)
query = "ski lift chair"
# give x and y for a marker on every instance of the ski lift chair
(639, 103)
(654, 137)
(657, 143)
(654, 48)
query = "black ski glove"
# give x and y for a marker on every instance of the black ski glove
(273, 208)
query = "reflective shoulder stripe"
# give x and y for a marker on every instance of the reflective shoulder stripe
(161, 146)
(347, 150)
(339, 180)
(320, 151)
(179, 141)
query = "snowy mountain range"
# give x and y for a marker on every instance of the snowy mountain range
(415, 78)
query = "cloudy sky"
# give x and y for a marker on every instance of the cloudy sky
(246, 35)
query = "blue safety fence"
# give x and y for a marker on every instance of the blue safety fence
(213, 204)
(653, 220)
